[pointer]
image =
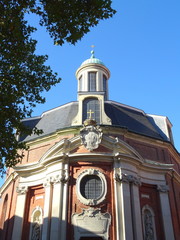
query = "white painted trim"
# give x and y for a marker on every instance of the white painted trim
(166, 216)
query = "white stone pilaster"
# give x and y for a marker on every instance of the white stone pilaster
(125, 228)
(136, 212)
(65, 178)
(47, 210)
(118, 209)
(19, 213)
(56, 211)
(59, 204)
(166, 212)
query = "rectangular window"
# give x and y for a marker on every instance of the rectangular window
(92, 81)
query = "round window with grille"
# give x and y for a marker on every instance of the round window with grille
(91, 187)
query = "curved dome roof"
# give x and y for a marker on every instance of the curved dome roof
(93, 60)
(122, 116)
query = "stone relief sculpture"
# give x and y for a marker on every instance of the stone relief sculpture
(36, 222)
(36, 230)
(148, 223)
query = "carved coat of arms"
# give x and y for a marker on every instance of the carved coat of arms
(91, 137)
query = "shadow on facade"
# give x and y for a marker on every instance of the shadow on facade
(11, 230)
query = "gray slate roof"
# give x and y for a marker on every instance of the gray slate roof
(123, 116)
(52, 120)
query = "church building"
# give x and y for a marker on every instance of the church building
(101, 170)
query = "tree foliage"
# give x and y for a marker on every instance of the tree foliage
(24, 74)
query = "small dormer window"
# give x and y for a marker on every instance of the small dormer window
(91, 109)
(92, 81)
(170, 134)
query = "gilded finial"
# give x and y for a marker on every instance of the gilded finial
(92, 51)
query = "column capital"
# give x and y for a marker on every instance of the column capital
(126, 178)
(61, 177)
(163, 188)
(22, 190)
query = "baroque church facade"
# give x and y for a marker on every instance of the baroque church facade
(100, 170)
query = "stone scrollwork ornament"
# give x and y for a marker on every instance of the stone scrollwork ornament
(91, 135)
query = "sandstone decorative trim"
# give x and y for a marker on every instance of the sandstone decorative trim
(63, 177)
(22, 189)
(91, 222)
(127, 179)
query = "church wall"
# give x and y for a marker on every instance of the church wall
(174, 198)
(156, 153)
(150, 148)
(7, 218)
(76, 206)
(34, 202)
(36, 151)
(149, 198)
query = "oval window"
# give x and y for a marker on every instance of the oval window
(91, 187)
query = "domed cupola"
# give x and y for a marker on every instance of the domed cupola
(92, 78)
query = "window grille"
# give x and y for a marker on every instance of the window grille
(91, 187)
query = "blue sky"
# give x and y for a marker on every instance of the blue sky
(141, 47)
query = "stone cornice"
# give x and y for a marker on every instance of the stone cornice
(44, 139)
(8, 181)
(154, 166)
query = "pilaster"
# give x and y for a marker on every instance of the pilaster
(47, 209)
(128, 206)
(166, 212)
(59, 205)
(19, 213)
